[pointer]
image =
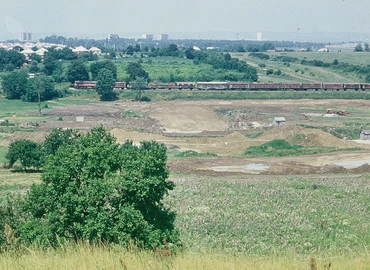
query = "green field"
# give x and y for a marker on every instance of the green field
(257, 222)
(296, 72)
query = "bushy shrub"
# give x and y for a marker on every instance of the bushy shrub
(99, 191)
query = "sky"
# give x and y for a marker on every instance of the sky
(183, 19)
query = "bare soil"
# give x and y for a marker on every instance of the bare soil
(194, 125)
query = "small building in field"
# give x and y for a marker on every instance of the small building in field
(365, 134)
(278, 121)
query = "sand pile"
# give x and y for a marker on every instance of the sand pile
(123, 135)
(361, 169)
(304, 136)
(19, 135)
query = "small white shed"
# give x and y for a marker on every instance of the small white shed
(365, 134)
(278, 121)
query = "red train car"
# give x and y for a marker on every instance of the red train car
(311, 86)
(264, 86)
(168, 86)
(238, 85)
(332, 86)
(120, 85)
(351, 86)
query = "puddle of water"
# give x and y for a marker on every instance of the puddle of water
(352, 163)
(248, 167)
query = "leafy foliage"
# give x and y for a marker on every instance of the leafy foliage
(104, 85)
(9, 60)
(27, 152)
(77, 71)
(107, 64)
(42, 85)
(221, 61)
(98, 191)
(57, 138)
(14, 84)
(135, 70)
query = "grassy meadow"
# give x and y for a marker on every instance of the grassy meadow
(249, 222)
(296, 72)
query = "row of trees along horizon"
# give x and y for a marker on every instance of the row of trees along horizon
(60, 66)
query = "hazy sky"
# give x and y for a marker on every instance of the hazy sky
(186, 16)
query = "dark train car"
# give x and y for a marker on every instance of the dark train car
(212, 85)
(332, 86)
(84, 84)
(120, 85)
(263, 86)
(311, 86)
(295, 86)
(185, 85)
(365, 86)
(290, 86)
(351, 86)
(238, 85)
(168, 86)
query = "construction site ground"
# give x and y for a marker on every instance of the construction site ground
(195, 125)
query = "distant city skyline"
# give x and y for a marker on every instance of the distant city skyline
(302, 20)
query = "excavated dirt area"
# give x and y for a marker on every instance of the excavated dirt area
(194, 125)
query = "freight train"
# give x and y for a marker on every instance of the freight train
(253, 86)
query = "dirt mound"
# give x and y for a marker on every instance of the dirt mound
(303, 136)
(32, 136)
(361, 169)
(123, 135)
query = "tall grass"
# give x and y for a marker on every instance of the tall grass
(84, 256)
(268, 216)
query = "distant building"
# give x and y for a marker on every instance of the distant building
(95, 50)
(365, 135)
(259, 36)
(278, 121)
(162, 37)
(113, 36)
(147, 36)
(25, 36)
(80, 49)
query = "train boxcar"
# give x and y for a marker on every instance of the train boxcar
(84, 84)
(263, 86)
(238, 85)
(168, 86)
(311, 86)
(351, 86)
(120, 85)
(212, 85)
(185, 85)
(332, 86)
(365, 86)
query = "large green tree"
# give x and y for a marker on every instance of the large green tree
(97, 190)
(15, 84)
(77, 71)
(135, 70)
(104, 85)
(39, 89)
(108, 64)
